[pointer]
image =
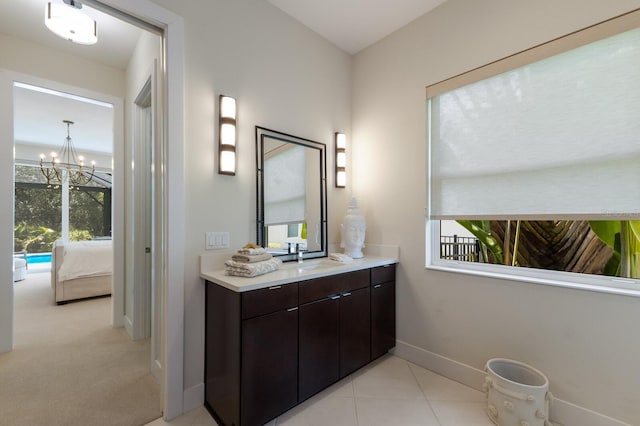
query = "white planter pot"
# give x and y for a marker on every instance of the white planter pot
(517, 394)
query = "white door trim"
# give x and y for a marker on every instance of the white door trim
(172, 194)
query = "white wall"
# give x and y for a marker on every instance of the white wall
(33, 59)
(284, 77)
(586, 343)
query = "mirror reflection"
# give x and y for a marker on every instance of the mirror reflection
(291, 195)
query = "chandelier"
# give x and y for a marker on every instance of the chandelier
(67, 166)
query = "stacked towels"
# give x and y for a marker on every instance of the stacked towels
(251, 261)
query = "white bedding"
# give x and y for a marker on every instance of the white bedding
(86, 259)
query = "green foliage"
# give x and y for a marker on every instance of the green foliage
(481, 229)
(79, 235)
(38, 213)
(33, 239)
(624, 238)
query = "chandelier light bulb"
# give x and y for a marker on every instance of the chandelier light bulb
(68, 167)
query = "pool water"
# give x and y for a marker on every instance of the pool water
(39, 258)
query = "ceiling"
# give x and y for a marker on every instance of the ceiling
(353, 25)
(38, 117)
(116, 39)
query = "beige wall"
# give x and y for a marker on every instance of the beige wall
(285, 78)
(33, 59)
(585, 342)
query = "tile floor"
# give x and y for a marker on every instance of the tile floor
(390, 391)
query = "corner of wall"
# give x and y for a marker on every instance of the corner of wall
(561, 412)
(193, 397)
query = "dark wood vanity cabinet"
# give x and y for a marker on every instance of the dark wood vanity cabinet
(269, 380)
(251, 359)
(334, 329)
(267, 350)
(383, 310)
(319, 346)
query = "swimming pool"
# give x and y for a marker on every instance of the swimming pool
(39, 258)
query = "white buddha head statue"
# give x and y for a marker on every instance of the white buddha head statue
(353, 231)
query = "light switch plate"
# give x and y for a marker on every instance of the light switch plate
(216, 240)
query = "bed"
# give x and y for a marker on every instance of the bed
(81, 269)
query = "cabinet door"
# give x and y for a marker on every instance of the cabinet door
(383, 318)
(355, 330)
(269, 366)
(222, 353)
(319, 345)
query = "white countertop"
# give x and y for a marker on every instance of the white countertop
(291, 272)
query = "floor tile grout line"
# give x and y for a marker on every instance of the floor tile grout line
(355, 404)
(435, 415)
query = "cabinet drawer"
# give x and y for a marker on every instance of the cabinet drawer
(267, 300)
(319, 288)
(382, 274)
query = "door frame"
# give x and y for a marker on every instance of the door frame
(139, 211)
(170, 199)
(7, 80)
(170, 195)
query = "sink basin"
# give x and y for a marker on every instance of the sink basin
(311, 265)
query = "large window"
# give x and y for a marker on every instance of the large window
(38, 211)
(534, 161)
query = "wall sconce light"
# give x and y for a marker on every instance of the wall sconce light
(227, 136)
(341, 160)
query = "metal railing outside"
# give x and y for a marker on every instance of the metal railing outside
(453, 247)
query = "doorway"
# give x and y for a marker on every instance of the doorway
(170, 221)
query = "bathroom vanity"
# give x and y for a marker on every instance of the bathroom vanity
(273, 341)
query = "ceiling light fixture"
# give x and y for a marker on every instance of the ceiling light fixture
(66, 166)
(67, 21)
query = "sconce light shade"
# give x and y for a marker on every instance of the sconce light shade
(70, 23)
(227, 136)
(341, 160)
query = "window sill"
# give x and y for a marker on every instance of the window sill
(600, 284)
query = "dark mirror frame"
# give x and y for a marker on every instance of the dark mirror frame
(261, 133)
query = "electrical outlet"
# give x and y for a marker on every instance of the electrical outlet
(216, 240)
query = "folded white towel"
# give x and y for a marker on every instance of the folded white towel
(252, 251)
(340, 257)
(243, 269)
(251, 258)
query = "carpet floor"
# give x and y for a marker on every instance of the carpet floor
(70, 367)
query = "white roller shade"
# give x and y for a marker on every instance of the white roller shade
(556, 138)
(284, 187)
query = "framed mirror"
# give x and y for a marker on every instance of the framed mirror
(291, 195)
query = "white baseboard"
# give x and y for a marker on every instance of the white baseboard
(570, 414)
(193, 397)
(561, 412)
(446, 367)
(128, 325)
